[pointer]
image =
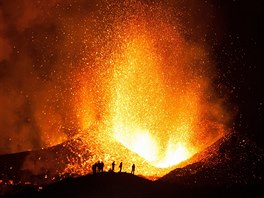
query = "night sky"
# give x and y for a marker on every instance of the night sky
(34, 76)
(241, 63)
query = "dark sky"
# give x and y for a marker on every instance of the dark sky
(240, 58)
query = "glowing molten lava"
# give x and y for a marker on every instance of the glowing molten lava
(150, 93)
(141, 114)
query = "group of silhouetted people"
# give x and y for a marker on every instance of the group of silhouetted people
(98, 167)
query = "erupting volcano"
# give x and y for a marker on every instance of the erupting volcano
(131, 98)
(149, 90)
(122, 81)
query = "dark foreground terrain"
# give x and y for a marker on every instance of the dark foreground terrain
(127, 185)
(232, 167)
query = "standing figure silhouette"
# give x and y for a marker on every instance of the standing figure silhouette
(120, 167)
(133, 169)
(113, 166)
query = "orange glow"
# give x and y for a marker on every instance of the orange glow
(149, 100)
(138, 102)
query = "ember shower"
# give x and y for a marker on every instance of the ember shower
(128, 74)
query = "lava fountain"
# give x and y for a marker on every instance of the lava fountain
(151, 94)
(140, 107)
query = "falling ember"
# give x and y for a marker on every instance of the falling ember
(150, 93)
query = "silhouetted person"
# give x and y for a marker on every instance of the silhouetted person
(133, 169)
(94, 168)
(120, 167)
(102, 166)
(99, 166)
(113, 166)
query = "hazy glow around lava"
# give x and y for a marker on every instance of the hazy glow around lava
(144, 115)
(123, 80)
(150, 91)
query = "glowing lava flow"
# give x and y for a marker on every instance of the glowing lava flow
(140, 118)
(149, 100)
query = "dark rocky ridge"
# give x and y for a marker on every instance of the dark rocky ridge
(233, 166)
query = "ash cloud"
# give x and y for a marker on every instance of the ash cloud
(22, 82)
(35, 72)
(36, 64)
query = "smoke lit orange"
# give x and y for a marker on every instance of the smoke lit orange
(150, 95)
